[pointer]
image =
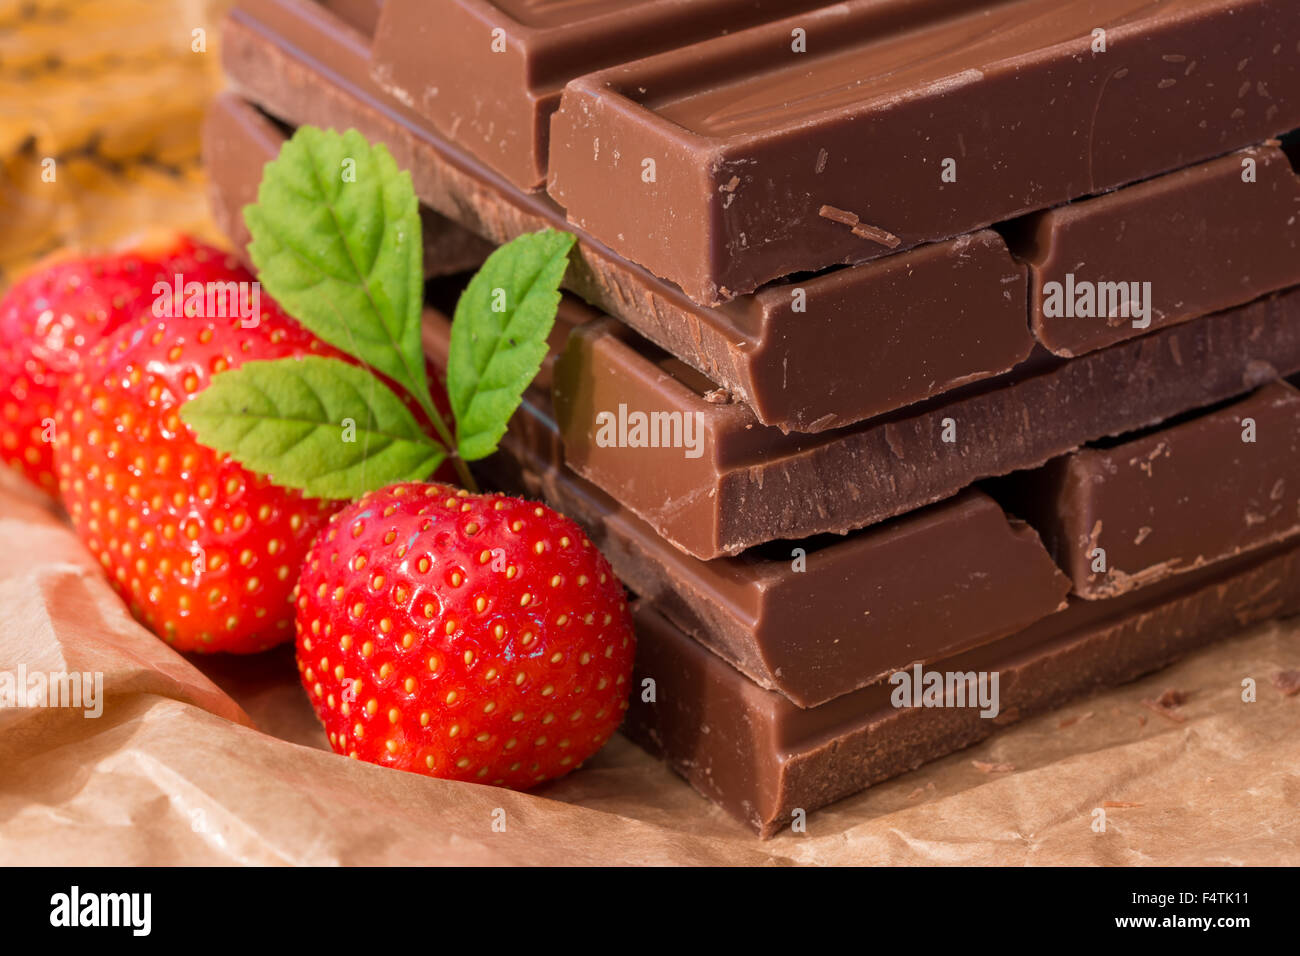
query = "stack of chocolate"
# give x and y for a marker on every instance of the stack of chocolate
(934, 361)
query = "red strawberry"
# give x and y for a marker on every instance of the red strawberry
(474, 637)
(148, 500)
(51, 319)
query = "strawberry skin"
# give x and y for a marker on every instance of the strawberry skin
(54, 316)
(472, 637)
(205, 552)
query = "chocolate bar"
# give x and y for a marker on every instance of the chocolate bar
(843, 134)
(710, 479)
(1149, 255)
(238, 141)
(938, 317)
(812, 619)
(817, 619)
(893, 322)
(763, 759)
(1123, 515)
(489, 74)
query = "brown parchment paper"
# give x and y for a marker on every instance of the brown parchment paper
(220, 761)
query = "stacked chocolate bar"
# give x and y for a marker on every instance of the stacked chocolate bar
(934, 366)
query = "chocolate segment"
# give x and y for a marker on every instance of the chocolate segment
(711, 165)
(361, 14)
(712, 481)
(489, 74)
(1124, 515)
(762, 758)
(1159, 252)
(806, 355)
(819, 618)
(238, 141)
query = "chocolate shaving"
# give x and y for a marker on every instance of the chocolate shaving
(1288, 682)
(860, 229)
(842, 216)
(876, 234)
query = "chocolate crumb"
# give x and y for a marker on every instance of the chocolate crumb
(985, 767)
(1165, 710)
(718, 396)
(1288, 682)
(1172, 698)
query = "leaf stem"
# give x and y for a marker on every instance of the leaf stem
(457, 462)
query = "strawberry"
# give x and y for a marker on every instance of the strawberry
(52, 318)
(473, 637)
(205, 552)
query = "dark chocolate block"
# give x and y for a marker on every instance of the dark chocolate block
(882, 124)
(489, 74)
(867, 341)
(762, 758)
(238, 141)
(743, 484)
(1204, 238)
(1212, 487)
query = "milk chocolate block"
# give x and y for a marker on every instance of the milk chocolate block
(238, 141)
(762, 758)
(818, 618)
(489, 74)
(843, 134)
(1120, 516)
(806, 355)
(811, 619)
(712, 481)
(1161, 251)
(766, 611)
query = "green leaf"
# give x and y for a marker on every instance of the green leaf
(498, 337)
(288, 419)
(336, 240)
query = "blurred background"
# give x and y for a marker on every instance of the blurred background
(101, 103)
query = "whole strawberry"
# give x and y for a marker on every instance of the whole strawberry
(205, 552)
(53, 317)
(473, 637)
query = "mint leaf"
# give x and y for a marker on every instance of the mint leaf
(320, 425)
(498, 336)
(337, 242)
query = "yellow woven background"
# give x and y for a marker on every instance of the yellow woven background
(113, 92)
